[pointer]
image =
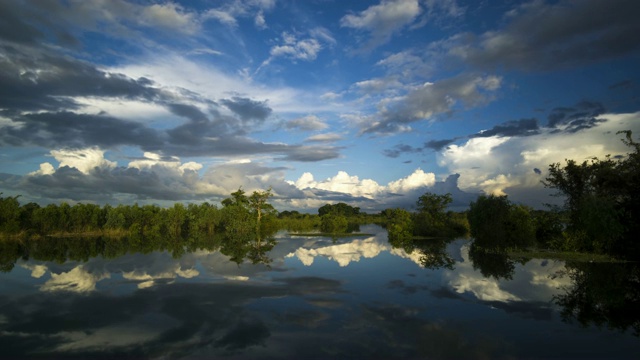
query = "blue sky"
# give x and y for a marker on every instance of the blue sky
(372, 103)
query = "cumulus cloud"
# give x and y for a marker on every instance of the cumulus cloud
(343, 254)
(466, 279)
(77, 279)
(503, 164)
(371, 196)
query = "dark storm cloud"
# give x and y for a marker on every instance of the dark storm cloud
(67, 129)
(438, 145)
(581, 116)
(45, 85)
(103, 185)
(248, 109)
(312, 153)
(400, 149)
(543, 36)
(334, 196)
(522, 127)
(14, 28)
(34, 80)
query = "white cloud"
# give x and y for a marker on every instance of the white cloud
(85, 160)
(343, 254)
(506, 164)
(156, 163)
(45, 169)
(229, 13)
(146, 279)
(170, 16)
(352, 185)
(307, 123)
(76, 280)
(342, 183)
(292, 48)
(418, 179)
(173, 73)
(328, 137)
(259, 20)
(467, 279)
(383, 20)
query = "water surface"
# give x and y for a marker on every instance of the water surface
(314, 297)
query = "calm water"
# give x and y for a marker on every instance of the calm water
(356, 297)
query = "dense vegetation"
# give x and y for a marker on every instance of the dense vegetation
(431, 220)
(599, 215)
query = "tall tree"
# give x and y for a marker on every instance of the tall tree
(258, 202)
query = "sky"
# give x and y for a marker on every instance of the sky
(371, 103)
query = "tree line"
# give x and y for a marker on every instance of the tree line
(599, 215)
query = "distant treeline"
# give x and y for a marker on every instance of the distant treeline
(239, 214)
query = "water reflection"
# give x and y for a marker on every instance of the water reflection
(605, 295)
(289, 297)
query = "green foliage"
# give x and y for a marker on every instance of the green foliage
(548, 226)
(238, 198)
(399, 227)
(10, 212)
(333, 223)
(295, 221)
(497, 223)
(602, 202)
(341, 209)
(433, 220)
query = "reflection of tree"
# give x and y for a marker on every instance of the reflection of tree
(435, 255)
(239, 244)
(603, 294)
(433, 252)
(491, 262)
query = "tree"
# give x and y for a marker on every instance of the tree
(602, 201)
(9, 214)
(339, 209)
(331, 223)
(399, 227)
(432, 218)
(258, 202)
(238, 198)
(497, 223)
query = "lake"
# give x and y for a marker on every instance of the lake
(313, 297)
